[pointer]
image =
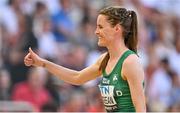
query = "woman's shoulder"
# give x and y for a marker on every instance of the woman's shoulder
(132, 60)
(132, 66)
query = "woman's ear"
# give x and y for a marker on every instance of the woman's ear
(118, 28)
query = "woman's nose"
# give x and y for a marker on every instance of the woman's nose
(96, 31)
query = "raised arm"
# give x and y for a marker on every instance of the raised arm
(65, 74)
(132, 71)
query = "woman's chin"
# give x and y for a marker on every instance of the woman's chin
(101, 44)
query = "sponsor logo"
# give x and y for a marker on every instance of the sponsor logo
(107, 94)
(110, 108)
(105, 81)
(115, 77)
(119, 93)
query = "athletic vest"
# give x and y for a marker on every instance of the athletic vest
(114, 90)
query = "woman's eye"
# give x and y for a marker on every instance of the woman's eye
(100, 27)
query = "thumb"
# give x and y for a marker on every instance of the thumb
(31, 51)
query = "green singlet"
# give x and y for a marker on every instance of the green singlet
(115, 91)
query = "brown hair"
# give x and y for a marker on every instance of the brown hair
(128, 20)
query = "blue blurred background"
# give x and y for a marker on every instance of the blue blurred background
(62, 31)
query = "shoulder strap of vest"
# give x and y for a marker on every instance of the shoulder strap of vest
(121, 60)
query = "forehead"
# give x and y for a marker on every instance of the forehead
(101, 19)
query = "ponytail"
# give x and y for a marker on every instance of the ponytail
(131, 39)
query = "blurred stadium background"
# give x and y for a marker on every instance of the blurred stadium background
(63, 32)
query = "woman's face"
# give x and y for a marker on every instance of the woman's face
(104, 31)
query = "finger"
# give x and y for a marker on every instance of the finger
(28, 63)
(29, 60)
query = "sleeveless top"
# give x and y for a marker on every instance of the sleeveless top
(114, 90)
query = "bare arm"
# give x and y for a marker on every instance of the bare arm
(65, 74)
(72, 76)
(133, 72)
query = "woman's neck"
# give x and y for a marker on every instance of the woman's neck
(116, 50)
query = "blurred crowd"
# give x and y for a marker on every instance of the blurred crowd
(62, 31)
